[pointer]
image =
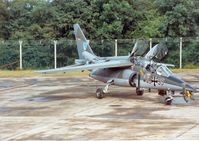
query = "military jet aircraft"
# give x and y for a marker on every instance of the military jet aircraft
(135, 70)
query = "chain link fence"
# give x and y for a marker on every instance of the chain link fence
(45, 54)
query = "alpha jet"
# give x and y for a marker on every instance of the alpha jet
(135, 70)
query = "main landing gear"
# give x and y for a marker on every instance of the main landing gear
(100, 93)
(139, 91)
(168, 100)
(168, 96)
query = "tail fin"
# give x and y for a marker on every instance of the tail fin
(82, 42)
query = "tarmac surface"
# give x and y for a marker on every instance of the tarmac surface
(65, 108)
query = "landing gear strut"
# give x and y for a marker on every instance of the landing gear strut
(139, 91)
(100, 93)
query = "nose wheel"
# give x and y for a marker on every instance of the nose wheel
(99, 93)
(187, 95)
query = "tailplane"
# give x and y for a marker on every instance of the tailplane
(82, 42)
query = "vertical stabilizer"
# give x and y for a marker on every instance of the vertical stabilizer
(82, 42)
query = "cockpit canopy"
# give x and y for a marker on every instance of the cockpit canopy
(164, 71)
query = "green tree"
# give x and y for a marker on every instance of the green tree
(5, 14)
(178, 17)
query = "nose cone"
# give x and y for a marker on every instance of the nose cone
(179, 82)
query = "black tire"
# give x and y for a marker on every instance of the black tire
(139, 92)
(149, 90)
(168, 101)
(99, 93)
(162, 92)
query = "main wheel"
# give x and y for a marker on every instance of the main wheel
(139, 92)
(168, 100)
(162, 92)
(99, 93)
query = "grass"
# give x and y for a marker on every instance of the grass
(21, 73)
(184, 70)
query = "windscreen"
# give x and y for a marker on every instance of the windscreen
(164, 71)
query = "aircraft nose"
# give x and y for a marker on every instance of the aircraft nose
(181, 83)
(189, 88)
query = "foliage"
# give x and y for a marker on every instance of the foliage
(190, 54)
(179, 17)
(9, 54)
(39, 22)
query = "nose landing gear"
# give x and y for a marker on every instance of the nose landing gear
(187, 95)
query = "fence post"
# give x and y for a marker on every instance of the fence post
(180, 52)
(20, 55)
(150, 43)
(55, 54)
(116, 47)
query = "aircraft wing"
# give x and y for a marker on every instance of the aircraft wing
(110, 64)
(168, 65)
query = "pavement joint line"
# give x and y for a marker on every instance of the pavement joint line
(187, 130)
